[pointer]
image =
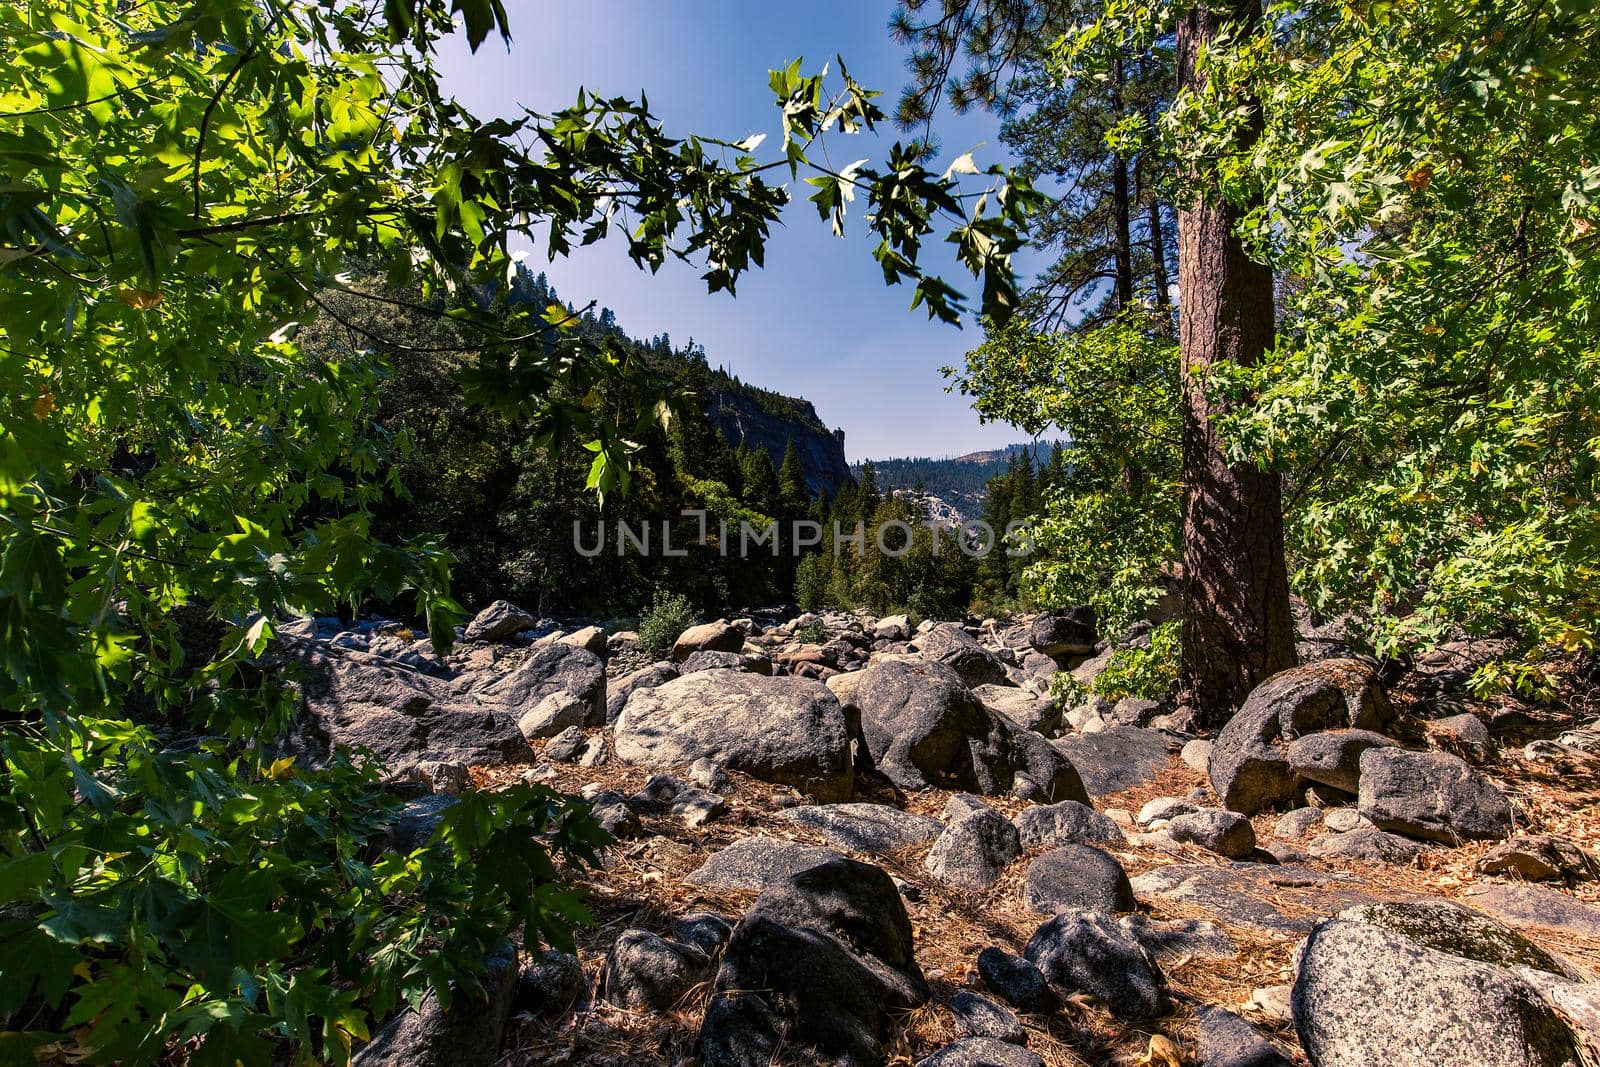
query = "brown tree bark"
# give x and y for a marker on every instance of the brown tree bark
(1237, 627)
(1158, 257)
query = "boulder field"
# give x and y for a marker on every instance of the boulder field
(903, 845)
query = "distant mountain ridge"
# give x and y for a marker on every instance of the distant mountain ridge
(743, 413)
(959, 481)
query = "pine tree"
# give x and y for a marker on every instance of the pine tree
(795, 501)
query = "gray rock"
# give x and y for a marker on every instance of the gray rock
(1164, 810)
(924, 728)
(855, 903)
(717, 636)
(756, 862)
(644, 678)
(1366, 843)
(1283, 898)
(1196, 755)
(551, 983)
(613, 813)
(645, 970)
(589, 638)
(1117, 758)
(785, 993)
(1249, 769)
(949, 644)
(1298, 822)
(705, 930)
(978, 1016)
(981, 1052)
(1016, 981)
(1415, 986)
(1333, 757)
(466, 1035)
(1024, 707)
(403, 716)
(892, 628)
(1228, 1041)
(726, 661)
(1540, 858)
(973, 850)
(1064, 633)
(551, 669)
(1536, 906)
(416, 822)
(1068, 822)
(1465, 735)
(1173, 939)
(1222, 832)
(1432, 795)
(789, 731)
(865, 827)
(1076, 878)
(1344, 820)
(708, 774)
(559, 711)
(499, 621)
(565, 746)
(1089, 953)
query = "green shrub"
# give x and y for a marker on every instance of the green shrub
(667, 617)
(811, 583)
(813, 633)
(1142, 672)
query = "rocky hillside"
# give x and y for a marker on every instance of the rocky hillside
(761, 419)
(892, 845)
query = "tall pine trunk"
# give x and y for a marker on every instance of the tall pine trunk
(1237, 626)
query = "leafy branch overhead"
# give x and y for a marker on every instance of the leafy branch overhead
(183, 187)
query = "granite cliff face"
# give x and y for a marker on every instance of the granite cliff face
(758, 418)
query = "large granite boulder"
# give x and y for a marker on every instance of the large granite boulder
(1084, 952)
(499, 621)
(820, 966)
(949, 644)
(1066, 823)
(1064, 633)
(974, 850)
(643, 678)
(645, 970)
(1024, 707)
(924, 728)
(1249, 767)
(719, 636)
(403, 716)
(1118, 758)
(1431, 795)
(1076, 878)
(1333, 757)
(757, 862)
(550, 669)
(790, 731)
(1426, 983)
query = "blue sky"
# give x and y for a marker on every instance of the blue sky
(818, 321)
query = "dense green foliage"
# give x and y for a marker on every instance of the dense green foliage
(1110, 525)
(181, 187)
(1427, 182)
(668, 615)
(961, 480)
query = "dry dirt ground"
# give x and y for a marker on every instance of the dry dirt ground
(642, 886)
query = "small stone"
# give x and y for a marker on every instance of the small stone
(1298, 822)
(1016, 981)
(550, 982)
(1081, 952)
(1228, 1041)
(1066, 823)
(973, 850)
(1540, 858)
(708, 774)
(1196, 755)
(1162, 809)
(1343, 820)
(705, 930)
(1273, 1002)
(1222, 832)
(645, 970)
(1076, 878)
(1366, 843)
(566, 746)
(981, 1052)
(978, 1016)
